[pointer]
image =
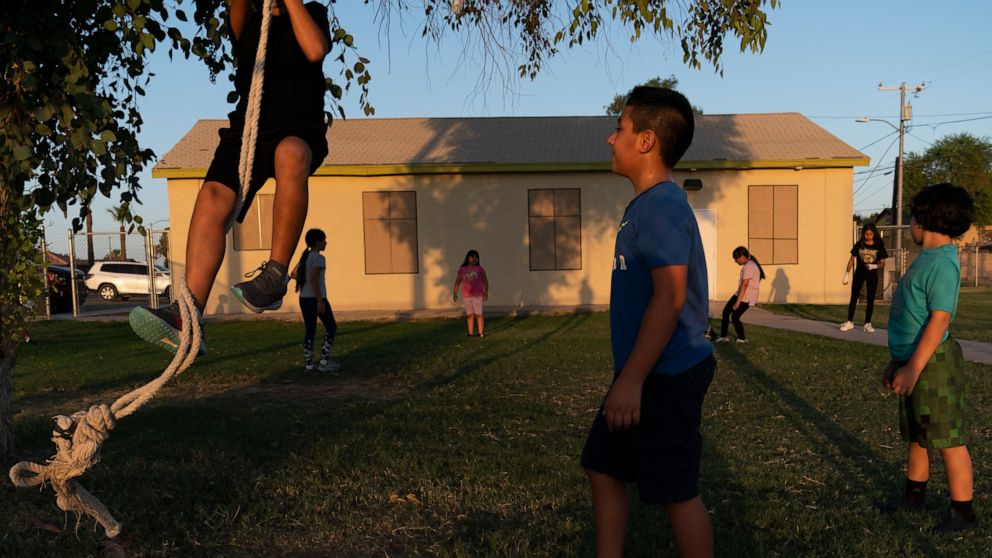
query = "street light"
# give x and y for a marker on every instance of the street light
(152, 226)
(898, 194)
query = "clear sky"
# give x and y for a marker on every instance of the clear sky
(822, 59)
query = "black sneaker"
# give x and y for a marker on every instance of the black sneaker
(956, 523)
(161, 327)
(901, 505)
(265, 291)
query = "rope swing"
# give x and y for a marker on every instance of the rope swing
(78, 437)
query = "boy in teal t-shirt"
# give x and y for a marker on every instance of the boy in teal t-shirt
(927, 365)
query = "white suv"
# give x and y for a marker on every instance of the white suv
(113, 279)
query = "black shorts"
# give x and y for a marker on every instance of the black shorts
(662, 453)
(227, 157)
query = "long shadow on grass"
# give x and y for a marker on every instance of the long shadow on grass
(474, 364)
(855, 461)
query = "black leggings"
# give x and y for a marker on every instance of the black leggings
(308, 306)
(860, 277)
(731, 315)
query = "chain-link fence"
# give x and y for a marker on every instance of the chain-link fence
(976, 261)
(102, 271)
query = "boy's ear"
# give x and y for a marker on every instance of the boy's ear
(646, 141)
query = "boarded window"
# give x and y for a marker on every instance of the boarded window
(390, 232)
(255, 233)
(773, 224)
(555, 229)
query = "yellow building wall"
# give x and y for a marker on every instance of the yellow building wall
(825, 231)
(488, 212)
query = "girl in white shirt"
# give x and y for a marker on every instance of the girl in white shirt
(309, 274)
(746, 296)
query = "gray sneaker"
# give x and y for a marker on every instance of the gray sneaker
(161, 327)
(265, 290)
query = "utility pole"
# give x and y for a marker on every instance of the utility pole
(905, 114)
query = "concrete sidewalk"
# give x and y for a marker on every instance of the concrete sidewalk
(973, 350)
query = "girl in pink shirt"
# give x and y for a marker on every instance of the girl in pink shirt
(475, 289)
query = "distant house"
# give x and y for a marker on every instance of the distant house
(402, 200)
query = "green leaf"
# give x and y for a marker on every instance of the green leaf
(22, 152)
(108, 135)
(110, 25)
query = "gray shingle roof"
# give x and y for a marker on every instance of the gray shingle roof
(789, 138)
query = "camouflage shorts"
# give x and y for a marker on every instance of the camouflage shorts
(933, 416)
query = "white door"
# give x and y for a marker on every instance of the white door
(706, 219)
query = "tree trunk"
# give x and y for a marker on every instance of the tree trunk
(6, 411)
(123, 245)
(89, 239)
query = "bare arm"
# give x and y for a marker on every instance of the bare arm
(623, 404)
(850, 264)
(905, 378)
(485, 286)
(311, 38)
(454, 290)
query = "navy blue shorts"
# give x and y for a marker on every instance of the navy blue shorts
(662, 453)
(227, 157)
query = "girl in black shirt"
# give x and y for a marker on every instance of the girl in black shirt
(869, 255)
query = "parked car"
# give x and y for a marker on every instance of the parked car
(120, 279)
(60, 290)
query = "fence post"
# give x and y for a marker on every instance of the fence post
(976, 265)
(72, 274)
(150, 269)
(44, 275)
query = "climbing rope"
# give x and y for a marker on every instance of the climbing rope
(78, 437)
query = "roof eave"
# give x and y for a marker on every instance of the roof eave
(477, 168)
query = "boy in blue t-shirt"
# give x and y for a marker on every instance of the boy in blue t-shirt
(647, 430)
(927, 365)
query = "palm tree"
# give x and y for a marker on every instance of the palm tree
(121, 213)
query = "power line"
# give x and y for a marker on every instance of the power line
(888, 168)
(880, 159)
(878, 140)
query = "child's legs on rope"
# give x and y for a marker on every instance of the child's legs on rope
(206, 240)
(289, 211)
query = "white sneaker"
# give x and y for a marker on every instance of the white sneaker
(868, 328)
(308, 367)
(328, 366)
(723, 340)
(742, 341)
(846, 326)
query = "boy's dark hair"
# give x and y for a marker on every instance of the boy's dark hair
(943, 208)
(668, 114)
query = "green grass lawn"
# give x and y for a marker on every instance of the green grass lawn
(972, 320)
(247, 455)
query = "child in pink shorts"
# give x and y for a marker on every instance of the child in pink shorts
(475, 289)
